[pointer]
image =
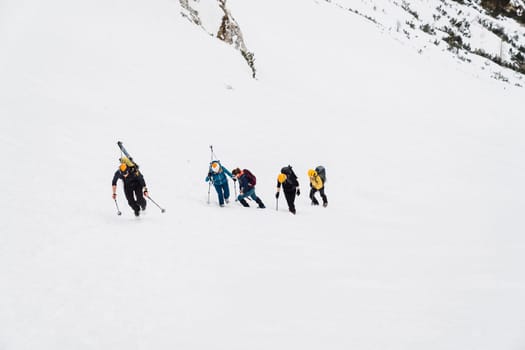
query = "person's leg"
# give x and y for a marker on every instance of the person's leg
(290, 199)
(226, 190)
(218, 188)
(323, 196)
(312, 196)
(131, 200)
(257, 199)
(242, 200)
(141, 201)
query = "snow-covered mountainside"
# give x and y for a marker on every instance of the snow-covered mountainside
(420, 247)
(465, 30)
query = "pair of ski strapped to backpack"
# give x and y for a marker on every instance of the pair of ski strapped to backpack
(127, 160)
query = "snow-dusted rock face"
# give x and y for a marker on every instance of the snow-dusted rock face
(216, 19)
(470, 29)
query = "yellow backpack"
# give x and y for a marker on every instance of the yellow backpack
(315, 179)
(127, 163)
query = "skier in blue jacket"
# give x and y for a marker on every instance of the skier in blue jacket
(217, 175)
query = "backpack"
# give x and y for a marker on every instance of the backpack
(133, 167)
(290, 175)
(129, 162)
(251, 178)
(287, 170)
(321, 171)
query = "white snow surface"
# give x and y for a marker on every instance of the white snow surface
(420, 247)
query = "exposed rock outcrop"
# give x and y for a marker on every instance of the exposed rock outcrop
(220, 23)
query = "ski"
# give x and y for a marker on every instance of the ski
(121, 146)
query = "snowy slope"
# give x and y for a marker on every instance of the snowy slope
(478, 41)
(420, 246)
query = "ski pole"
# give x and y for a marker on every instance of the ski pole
(213, 155)
(209, 188)
(162, 210)
(118, 210)
(209, 184)
(209, 172)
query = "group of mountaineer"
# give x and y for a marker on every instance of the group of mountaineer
(217, 176)
(136, 191)
(287, 180)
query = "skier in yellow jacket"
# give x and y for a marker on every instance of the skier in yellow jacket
(316, 184)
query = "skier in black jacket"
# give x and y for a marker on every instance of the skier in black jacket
(134, 187)
(290, 184)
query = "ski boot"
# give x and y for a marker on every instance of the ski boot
(261, 204)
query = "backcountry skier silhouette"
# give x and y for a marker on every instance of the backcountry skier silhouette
(134, 185)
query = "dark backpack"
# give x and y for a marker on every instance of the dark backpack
(291, 178)
(321, 171)
(251, 178)
(287, 170)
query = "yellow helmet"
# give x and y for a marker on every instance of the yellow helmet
(281, 178)
(123, 168)
(215, 167)
(311, 173)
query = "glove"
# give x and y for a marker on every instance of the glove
(276, 194)
(145, 192)
(210, 174)
(234, 179)
(298, 192)
(114, 196)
